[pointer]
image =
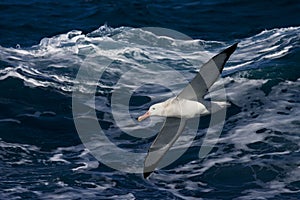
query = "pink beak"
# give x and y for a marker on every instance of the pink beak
(144, 116)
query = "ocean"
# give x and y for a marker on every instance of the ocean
(133, 51)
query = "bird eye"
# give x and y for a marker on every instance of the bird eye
(153, 108)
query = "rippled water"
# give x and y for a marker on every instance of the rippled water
(42, 157)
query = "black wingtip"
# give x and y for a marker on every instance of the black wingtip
(231, 49)
(146, 174)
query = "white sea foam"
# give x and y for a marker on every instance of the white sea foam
(248, 131)
(264, 117)
(67, 51)
(58, 158)
(10, 120)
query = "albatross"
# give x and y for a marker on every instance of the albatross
(189, 103)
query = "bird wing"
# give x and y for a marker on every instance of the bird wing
(206, 76)
(167, 136)
(195, 90)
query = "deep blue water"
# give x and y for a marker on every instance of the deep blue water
(44, 43)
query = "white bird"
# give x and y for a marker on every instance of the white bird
(189, 103)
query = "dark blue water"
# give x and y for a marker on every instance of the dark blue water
(44, 43)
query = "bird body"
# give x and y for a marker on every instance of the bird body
(183, 108)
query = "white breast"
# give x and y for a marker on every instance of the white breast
(185, 108)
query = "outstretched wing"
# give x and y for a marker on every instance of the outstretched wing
(195, 90)
(169, 133)
(206, 76)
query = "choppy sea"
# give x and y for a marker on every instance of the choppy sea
(43, 44)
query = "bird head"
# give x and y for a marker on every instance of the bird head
(154, 110)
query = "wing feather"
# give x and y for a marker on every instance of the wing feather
(167, 136)
(206, 76)
(195, 90)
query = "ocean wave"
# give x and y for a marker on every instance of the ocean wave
(256, 155)
(55, 61)
(257, 144)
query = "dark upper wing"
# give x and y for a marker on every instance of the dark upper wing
(169, 133)
(206, 76)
